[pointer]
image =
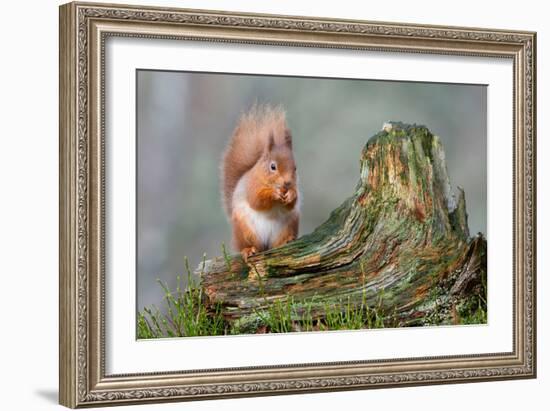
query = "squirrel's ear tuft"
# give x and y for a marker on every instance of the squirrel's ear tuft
(270, 142)
(288, 138)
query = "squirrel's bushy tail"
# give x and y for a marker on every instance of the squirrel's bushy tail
(247, 144)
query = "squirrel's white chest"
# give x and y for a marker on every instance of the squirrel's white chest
(267, 225)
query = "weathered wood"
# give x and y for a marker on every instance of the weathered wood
(401, 240)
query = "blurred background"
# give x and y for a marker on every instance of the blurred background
(185, 119)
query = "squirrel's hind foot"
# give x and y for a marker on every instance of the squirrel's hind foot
(247, 252)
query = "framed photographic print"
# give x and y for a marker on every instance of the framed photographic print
(259, 204)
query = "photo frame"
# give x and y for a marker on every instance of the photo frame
(92, 370)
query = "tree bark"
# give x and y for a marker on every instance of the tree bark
(400, 243)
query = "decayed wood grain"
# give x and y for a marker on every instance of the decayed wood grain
(400, 241)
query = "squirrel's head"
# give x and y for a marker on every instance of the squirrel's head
(278, 162)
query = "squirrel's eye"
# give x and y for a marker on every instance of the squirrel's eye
(273, 166)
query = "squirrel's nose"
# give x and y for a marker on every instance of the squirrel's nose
(287, 184)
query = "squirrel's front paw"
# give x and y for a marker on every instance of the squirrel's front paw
(247, 252)
(289, 197)
(278, 196)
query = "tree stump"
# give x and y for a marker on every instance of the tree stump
(400, 242)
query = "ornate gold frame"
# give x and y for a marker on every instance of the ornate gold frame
(83, 30)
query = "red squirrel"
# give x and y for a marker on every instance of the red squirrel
(259, 179)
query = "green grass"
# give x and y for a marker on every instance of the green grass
(289, 315)
(184, 314)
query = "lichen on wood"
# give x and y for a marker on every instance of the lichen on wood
(401, 241)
